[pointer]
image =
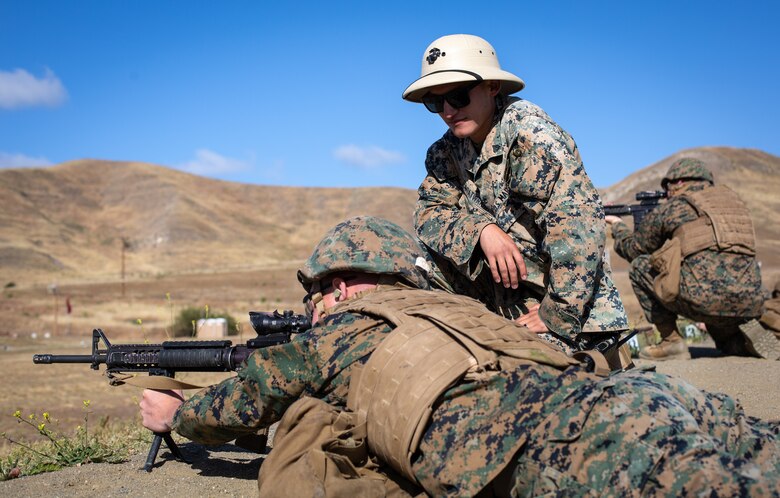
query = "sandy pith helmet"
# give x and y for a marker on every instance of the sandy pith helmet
(687, 169)
(460, 58)
(367, 244)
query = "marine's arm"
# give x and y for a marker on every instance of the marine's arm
(272, 379)
(650, 234)
(442, 219)
(624, 244)
(547, 176)
(316, 363)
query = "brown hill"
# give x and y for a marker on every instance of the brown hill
(753, 174)
(68, 222)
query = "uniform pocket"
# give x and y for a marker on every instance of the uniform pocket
(666, 261)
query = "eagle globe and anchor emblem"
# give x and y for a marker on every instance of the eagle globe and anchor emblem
(434, 54)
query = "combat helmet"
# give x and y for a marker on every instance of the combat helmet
(460, 58)
(687, 169)
(368, 244)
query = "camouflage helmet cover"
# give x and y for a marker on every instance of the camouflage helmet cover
(687, 169)
(368, 244)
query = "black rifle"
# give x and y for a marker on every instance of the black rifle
(603, 342)
(648, 200)
(170, 357)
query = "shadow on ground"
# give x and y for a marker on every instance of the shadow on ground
(216, 461)
(704, 352)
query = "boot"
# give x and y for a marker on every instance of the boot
(759, 341)
(671, 347)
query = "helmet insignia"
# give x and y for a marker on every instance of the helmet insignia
(434, 54)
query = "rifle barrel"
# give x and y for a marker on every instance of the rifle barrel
(63, 358)
(171, 357)
(617, 209)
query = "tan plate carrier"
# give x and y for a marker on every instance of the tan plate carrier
(438, 340)
(724, 224)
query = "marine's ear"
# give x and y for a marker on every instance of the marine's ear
(339, 289)
(494, 87)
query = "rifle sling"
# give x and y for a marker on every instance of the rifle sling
(601, 366)
(159, 382)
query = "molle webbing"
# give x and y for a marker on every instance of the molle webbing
(438, 339)
(724, 223)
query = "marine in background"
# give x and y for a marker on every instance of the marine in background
(695, 256)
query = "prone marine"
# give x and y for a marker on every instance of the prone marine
(398, 389)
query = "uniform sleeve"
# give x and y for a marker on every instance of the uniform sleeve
(625, 244)
(445, 220)
(656, 227)
(272, 380)
(547, 176)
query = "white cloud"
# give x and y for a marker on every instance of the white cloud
(19, 88)
(367, 157)
(8, 160)
(275, 173)
(209, 163)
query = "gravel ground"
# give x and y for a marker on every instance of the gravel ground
(222, 471)
(232, 471)
(752, 381)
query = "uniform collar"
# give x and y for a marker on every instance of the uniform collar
(495, 144)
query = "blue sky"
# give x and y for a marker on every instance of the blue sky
(309, 93)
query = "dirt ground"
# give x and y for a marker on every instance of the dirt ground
(221, 471)
(227, 470)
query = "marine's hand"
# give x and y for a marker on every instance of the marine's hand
(504, 258)
(532, 320)
(610, 219)
(158, 408)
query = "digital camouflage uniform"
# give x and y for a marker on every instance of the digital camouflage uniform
(633, 433)
(529, 180)
(548, 428)
(721, 289)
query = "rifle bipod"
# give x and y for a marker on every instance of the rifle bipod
(155, 448)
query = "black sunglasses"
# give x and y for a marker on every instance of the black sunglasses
(457, 98)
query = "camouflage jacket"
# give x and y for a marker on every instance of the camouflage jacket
(713, 283)
(475, 429)
(558, 431)
(529, 180)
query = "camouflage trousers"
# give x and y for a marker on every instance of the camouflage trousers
(641, 433)
(724, 330)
